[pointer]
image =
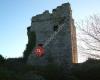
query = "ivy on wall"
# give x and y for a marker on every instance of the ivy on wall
(31, 43)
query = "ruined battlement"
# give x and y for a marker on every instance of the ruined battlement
(61, 11)
(41, 17)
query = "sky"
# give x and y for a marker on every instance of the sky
(15, 17)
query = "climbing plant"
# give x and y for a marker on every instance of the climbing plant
(31, 43)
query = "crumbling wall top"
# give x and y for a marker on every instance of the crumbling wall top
(60, 11)
(45, 15)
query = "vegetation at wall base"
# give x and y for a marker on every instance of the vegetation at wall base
(16, 69)
(31, 43)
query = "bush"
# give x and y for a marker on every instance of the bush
(2, 60)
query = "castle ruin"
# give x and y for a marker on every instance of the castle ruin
(62, 49)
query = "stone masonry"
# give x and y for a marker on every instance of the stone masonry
(62, 49)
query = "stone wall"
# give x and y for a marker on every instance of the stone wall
(61, 49)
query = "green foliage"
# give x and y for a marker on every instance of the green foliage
(54, 72)
(2, 60)
(16, 69)
(21, 71)
(90, 70)
(30, 45)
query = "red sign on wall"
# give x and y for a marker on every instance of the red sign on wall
(39, 51)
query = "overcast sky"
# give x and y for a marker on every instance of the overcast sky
(15, 17)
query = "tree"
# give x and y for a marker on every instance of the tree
(1, 59)
(90, 36)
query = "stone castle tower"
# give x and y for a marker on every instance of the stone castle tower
(62, 49)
